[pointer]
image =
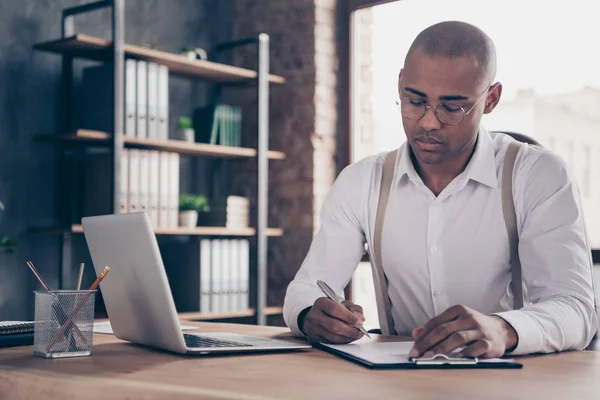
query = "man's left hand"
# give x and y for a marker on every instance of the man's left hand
(478, 334)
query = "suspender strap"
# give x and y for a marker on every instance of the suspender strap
(510, 220)
(385, 316)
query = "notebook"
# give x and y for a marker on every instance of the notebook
(14, 327)
(16, 333)
(377, 354)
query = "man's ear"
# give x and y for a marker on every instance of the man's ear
(493, 98)
(400, 79)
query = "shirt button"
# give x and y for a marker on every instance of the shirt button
(433, 249)
(437, 293)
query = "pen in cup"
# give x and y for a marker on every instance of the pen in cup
(76, 310)
(59, 309)
(332, 296)
(81, 266)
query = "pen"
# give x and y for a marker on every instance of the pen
(332, 296)
(38, 276)
(80, 276)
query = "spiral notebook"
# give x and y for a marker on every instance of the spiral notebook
(15, 327)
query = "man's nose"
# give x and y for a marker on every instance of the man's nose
(430, 121)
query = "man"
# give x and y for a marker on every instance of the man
(445, 249)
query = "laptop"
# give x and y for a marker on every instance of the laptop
(137, 295)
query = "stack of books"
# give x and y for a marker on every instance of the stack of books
(232, 212)
(219, 124)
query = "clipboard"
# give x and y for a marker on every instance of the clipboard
(394, 355)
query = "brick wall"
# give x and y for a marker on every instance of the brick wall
(363, 144)
(307, 45)
(303, 117)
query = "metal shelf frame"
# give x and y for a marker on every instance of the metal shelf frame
(116, 145)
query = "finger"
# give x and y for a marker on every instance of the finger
(447, 316)
(440, 333)
(338, 327)
(355, 308)
(334, 331)
(481, 348)
(417, 332)
(457, 340)
(338, 311)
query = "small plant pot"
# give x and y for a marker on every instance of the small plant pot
(187, 135)
(188, 219)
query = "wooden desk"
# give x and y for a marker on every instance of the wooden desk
(121, 370)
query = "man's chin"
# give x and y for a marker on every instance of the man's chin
(429, 157)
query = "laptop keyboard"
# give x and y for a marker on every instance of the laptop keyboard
(193, 341)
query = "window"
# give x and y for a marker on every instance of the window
(546, 64)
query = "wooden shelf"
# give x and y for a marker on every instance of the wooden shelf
(198, 231)
(274, 310)
(94, 48)
(200, 316)
(89, 137)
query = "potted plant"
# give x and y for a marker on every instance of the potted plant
(185, 131)
(189, 206)
(6, 245)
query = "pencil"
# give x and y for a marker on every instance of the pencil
(99, 278)
(80, 276)
(38, 276)
(76, 310)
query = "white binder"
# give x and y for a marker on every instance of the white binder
(144, 194)
(130, 97)
(163, 189)
(163, 102)
(124, 185)
(174, 190)
(154, 191)
(236, 287)
(227, 284)
(216, 275)
(244, 273)
(134, 180)
(205, 276)
(152, 113)
(142, 99)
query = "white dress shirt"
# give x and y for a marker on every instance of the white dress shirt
(453, 248)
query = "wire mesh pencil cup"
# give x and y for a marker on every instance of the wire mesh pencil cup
(64, 322)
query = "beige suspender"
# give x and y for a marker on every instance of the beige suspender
(386, 321)
(510, 219)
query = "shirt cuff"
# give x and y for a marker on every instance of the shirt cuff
(529, 339)
(292, 317)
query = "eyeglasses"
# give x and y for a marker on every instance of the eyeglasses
(451, 114)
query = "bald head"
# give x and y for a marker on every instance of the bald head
(454, 39)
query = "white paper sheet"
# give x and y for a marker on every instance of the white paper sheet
(105, 327)
(387, 352)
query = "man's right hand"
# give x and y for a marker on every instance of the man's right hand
(329, 322)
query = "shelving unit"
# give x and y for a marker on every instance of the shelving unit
(73, 45)
(198, 231)
(89, 138)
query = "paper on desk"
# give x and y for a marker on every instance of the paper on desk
(387, 352)
(105, 327)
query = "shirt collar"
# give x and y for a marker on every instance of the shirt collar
(481, 167)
